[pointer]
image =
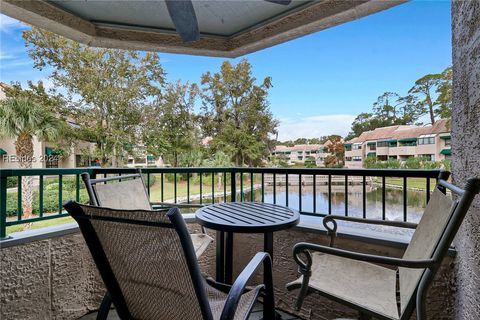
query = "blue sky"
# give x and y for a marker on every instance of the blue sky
(320, 81)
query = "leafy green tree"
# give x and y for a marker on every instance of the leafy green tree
(429, 86)
(36, 93)
(391, 107)
(280, 161)
(386, 106)
(365, 122)
(444, 98)
(235, 113)
(169, 124)
(22, 119)
(310, 162)
(431, 94)
(219, 159)
(423, 90)
(108, 88)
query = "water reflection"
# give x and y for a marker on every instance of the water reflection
(416, 201)
(393, 203)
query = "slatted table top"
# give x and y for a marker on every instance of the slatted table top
(247, 217)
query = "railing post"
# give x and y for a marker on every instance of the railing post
(233, 186)
(3, 206)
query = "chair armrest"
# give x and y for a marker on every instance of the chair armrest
(398, 224)
(302, 247)
(332, 230)
(177, 205)
(239, 285)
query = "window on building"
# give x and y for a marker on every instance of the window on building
(357, 146)
(426, 139)
(382, 144)
(51, 162)
(448, 142)
(81, 161)
(300, 157)
(348, 148)
(407, 143)
(372, 147)
(356, 158)
(348, 158)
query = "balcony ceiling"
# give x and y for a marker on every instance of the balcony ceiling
(227, 28)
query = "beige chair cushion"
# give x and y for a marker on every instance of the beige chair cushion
(217, 301)
(424, 240)
(126, 195)
(131, 195)
(200, 242)
(363, 284)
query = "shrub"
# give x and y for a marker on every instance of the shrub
(370, 162)
(12, 182)
(393, 164)
(50, 200)
(446, 164)
(310, 162)
(413, 163)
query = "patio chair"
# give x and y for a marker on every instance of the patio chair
(129, 192)
(356, 280)
(148, 264)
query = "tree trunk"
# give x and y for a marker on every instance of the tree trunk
(219, 183)
(430, 109)
(24, 150)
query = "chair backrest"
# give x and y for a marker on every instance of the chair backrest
(434, 234)
(424, 241)
(119, 192)
(146, 260)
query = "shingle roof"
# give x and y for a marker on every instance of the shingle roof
(401, 132)
(300, 147)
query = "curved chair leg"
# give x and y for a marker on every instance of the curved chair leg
(303, 292)
(104, 307)
(421, 313)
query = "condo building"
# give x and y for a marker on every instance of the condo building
(400, 142)
(301, 152)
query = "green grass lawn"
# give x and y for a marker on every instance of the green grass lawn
(419, 183)
(169, 193)
(40, 224)
(155, 196)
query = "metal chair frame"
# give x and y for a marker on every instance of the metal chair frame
(89, 183)
(431, 265)
(115, 295)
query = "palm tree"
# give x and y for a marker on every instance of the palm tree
(220, 159)
(21, 119)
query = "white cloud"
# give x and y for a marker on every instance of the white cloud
(314, 126)
(8, 24)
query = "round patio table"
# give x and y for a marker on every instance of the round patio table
(243, 217)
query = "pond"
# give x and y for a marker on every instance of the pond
(416, 201)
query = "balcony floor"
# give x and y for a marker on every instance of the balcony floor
(256, 314)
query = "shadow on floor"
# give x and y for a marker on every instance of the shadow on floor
(256, 314)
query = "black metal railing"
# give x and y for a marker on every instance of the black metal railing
(52, 187)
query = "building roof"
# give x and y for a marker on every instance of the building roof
(225, 28)
(401, 132)
(300, 147)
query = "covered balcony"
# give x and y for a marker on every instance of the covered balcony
(49, 273)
